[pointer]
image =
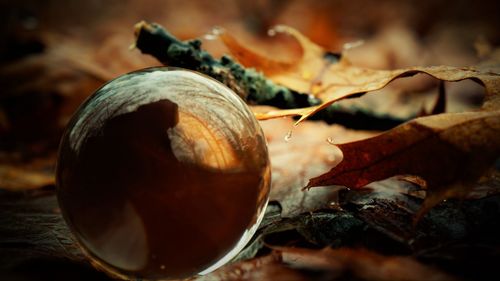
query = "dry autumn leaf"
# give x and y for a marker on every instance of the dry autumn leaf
(449, 151)
(253, 59)
(314, 73)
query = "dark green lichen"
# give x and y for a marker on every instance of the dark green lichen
(249, 84)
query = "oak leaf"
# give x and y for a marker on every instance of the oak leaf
(449, 151)
(317, 72)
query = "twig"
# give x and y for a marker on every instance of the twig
(249, 84)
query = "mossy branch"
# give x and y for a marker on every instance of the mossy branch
(249, 84)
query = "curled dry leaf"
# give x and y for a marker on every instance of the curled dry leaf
(314, 73)
(303, 75)
(449, 151)
(343, 81)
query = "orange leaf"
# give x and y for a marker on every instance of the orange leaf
(250, 58)
(314, 73)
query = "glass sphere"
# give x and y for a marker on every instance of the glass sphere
(163, 173)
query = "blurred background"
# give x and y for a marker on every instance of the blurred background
(54, 53)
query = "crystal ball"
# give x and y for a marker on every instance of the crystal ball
(162, 173)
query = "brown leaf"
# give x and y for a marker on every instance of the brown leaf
(315, 74)
(249, 58)
(363, 264)
(307, 66)
(449, 151)
(343, 81)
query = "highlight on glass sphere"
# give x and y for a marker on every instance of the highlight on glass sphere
(163, 173)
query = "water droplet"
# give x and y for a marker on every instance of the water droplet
(288, 136)
(330, 140)
(209, 37)
(351, 45)
(218, 30)
(335, 205)
(214, 33)
(278, 28)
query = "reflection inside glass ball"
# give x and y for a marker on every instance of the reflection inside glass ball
(163, 173)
